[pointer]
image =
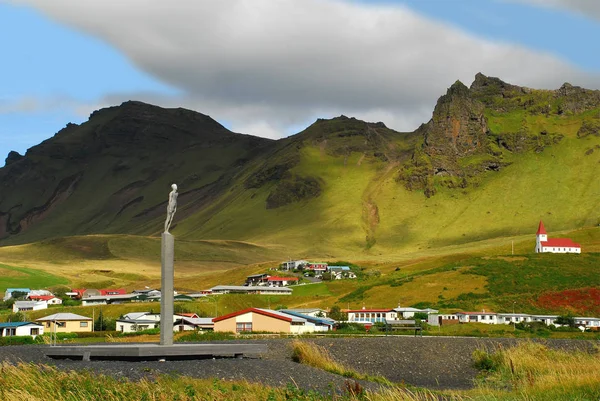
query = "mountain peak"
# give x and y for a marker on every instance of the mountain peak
(458, 88)
(12, 157)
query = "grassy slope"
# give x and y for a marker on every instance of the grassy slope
(558, 185)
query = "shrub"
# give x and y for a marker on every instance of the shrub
(486, 362)
(16, 340)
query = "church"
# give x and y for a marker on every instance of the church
(554, 245)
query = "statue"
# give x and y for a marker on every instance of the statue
(171, 207)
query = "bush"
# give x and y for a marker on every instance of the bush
(16, 340)
(486, 362)
(350, 328)
(206, 336)
(141, 332)
(91, 334)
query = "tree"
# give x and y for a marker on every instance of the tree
(421, 315)
(336, 313)
(565, 321)
(16, 317)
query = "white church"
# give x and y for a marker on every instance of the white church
(554, 245)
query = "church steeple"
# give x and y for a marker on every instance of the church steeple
(540, 236)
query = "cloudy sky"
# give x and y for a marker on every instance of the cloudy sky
(271, 67)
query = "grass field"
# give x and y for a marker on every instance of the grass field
(21, 277)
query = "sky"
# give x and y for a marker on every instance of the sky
(270, 68)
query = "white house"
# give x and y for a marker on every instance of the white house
(478, 317)
(293, 264)
(544, 244)
(9, 292)
(514, 318)
(49, 299)
(588, 322)
(138, 321)
(183, 323)
(407, 312)
(371, 315)
(21, 329)
(24, 306)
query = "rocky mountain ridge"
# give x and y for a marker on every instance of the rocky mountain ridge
(109, 174)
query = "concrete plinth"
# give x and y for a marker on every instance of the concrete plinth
(125, 352)
(167, 259)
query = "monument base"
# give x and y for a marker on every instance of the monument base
(138, 352)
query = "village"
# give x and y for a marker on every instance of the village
(266, 320)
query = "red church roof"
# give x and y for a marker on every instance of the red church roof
(541, 229)
(560, 243)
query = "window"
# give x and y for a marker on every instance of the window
(83, 324)
(34, 332)
(240, 327)
(47, 324)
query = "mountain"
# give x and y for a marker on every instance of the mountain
(492, 161)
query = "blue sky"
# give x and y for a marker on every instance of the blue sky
(53, 73)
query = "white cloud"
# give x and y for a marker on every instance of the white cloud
(265, 65)
(589, 8)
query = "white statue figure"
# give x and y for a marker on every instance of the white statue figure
(171, 207)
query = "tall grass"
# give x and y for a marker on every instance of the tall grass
(319, 357)
(28, 382)
(533, 371)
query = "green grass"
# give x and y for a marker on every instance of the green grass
(22, 277)
(311, 290)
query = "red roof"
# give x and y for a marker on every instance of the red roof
(275, 278)
(42, 297)
(254, 310)
(369, 310)
(560, 243)
(541, 229)
(192, 315)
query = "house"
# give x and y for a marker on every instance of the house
(66, 323)
(320, 323)
(477, 317)
(155, 317)
(546, 319)
(514, 318)
(256, 279)
(317, 267)
(110, 299)
(275, 281)
(544, 244)
(263, 320)
(39, 292)
(592, 323)
(407, 312)
(371, 315)
(21, 329)
(49, 299)
(132, 326)
(193, 323)
(9, 291)
(24, 306)
(242, 289)
(293, 264)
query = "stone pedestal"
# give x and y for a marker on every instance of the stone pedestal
(167, 258)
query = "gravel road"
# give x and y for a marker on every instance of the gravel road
(432, 362)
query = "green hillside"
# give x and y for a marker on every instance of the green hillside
(494, 159)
